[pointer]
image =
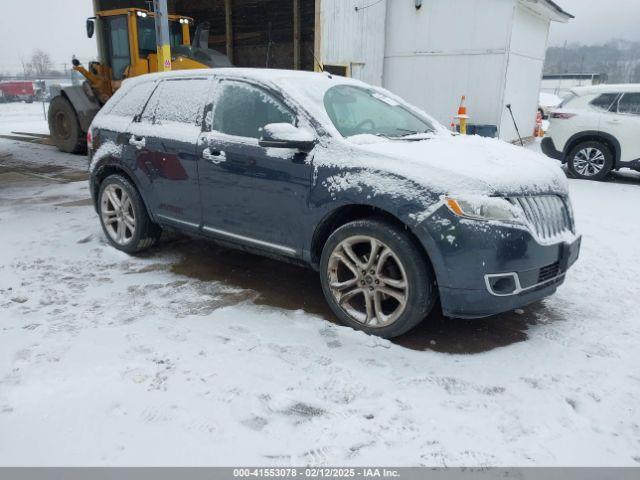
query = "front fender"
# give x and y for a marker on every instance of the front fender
(406, 201)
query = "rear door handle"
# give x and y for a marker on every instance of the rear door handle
(214, 156)
(138, 142)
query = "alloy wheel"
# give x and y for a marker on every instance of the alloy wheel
(368, 281)
(589, 161)
(118, 215)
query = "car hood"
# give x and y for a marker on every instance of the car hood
(455, 164)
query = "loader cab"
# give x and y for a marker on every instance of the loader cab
(127, 41)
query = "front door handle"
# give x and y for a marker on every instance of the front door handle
(138, 142)
(214, 156)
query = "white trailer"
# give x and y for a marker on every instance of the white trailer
(492, 51)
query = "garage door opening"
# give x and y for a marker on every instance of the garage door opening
(257, 33)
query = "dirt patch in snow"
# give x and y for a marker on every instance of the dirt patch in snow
(14, 171)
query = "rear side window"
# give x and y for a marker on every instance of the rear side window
(242, 110)
(133, 101)
(629, 104)
(178, 101)
(605, 101)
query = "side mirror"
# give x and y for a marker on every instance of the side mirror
(91, 26)
(285, 135)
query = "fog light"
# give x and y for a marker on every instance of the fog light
(503, 284)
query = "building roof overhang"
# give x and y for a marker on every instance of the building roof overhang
(548, 9)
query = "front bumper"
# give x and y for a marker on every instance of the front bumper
(485, 269)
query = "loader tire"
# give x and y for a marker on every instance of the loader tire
(65, 130)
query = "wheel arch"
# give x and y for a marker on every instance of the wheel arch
(594, 136)
(112, 166)
(349, 213)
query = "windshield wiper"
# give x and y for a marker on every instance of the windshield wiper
(410, 132)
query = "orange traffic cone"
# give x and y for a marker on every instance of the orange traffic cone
(462, 115)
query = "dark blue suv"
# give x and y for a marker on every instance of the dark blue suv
(392, 209)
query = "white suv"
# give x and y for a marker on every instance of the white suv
(596, 130)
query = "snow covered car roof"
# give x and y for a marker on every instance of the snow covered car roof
(306, 88)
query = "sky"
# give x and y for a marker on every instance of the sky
(55, 26)
(597, 21)
(58, 27)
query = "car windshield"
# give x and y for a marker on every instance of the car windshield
(356, 111)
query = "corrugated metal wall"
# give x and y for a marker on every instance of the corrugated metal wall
(354, 38)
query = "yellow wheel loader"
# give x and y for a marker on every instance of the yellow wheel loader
(127, 47)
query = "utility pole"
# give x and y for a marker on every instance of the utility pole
(162, 35)
(296, 34)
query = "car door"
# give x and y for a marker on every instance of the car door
(251, 194)
(623, 123)
(165, 140)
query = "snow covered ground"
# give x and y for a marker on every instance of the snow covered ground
(23, 117)
(194, 355)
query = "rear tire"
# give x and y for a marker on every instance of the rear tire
(386, 295)
(590, 160)
(124, 217)
(65, 130)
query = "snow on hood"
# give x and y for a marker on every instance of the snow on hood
(457, 164)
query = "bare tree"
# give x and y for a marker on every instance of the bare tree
(40, 63)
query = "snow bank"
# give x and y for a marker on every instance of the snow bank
(23, 117)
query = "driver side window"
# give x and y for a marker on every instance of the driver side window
(242, 110)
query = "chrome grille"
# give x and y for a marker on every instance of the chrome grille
(548, 215)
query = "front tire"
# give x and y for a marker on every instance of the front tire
(65, 130)
(591, 160)
(376, 279)
(124, 217)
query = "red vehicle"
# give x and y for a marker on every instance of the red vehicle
(16, 91)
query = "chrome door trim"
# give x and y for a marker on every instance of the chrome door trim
(273, 246)
(175, 220)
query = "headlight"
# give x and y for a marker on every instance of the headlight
(484, 208)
